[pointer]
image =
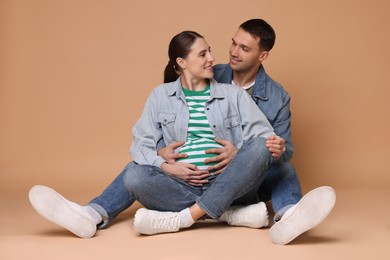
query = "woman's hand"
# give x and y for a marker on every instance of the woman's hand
(276, 146)
(225, 155)
(186, 172)
(168, 152)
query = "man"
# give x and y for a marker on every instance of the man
(294, 214)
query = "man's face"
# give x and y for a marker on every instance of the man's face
(244, 52)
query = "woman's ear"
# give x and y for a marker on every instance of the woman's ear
(181, 62)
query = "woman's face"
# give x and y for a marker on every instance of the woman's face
(199, 62)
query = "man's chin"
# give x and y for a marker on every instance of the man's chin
(233, 65)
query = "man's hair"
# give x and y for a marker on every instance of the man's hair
(259, 28)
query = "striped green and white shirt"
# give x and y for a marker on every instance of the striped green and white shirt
(199, 135)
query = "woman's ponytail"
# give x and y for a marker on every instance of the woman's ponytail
(170, 73)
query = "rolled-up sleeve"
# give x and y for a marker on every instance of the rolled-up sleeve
(254, 122)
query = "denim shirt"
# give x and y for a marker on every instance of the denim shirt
(272, 100)
(231, 113)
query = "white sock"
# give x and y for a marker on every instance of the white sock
(186, 219)
(96, 217)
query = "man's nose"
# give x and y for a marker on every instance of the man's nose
(234, 51)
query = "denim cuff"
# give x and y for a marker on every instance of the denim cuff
(281, 212)
(102, 212)
(208, 212)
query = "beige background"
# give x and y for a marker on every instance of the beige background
(74, 76)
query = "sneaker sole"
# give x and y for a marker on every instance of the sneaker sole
(54, 208)
(310, 211)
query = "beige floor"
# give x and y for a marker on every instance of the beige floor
(358, 228)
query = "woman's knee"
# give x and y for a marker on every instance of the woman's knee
(256, 145)
(135, 175)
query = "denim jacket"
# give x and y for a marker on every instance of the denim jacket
(230, 111)
(272, 100)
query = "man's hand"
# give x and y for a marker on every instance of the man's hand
(168, 152)
(186, 172)
(275, 145)
(224, 157)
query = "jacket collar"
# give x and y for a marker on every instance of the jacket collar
(259, 89)
(216, 91)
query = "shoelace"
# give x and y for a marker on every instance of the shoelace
(169, 223)
(239, 217)
(242, 217)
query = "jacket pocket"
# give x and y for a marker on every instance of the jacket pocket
(166, 119)
(231, 122)
(167, 125)
(233, 130)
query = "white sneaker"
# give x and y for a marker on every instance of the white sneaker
(253, 216)
(309, 212)
(149, 222)
(55, 208)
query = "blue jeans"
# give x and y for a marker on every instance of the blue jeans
(114, 199)
(281, 185)
(240, 181)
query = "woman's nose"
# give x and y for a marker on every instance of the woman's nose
(211, 57)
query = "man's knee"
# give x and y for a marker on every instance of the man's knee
(283, 168)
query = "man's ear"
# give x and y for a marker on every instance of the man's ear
(181, 63)
(263, 56)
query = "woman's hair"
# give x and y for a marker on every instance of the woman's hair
(179, 47)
